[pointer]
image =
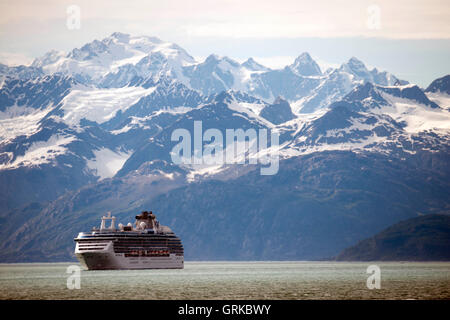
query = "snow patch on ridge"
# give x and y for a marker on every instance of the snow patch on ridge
(100, 105)
(22, 125)
(440, 98)
(251, 110)
(356, 146)
(417, 117)
(107, 163)
(41, 152)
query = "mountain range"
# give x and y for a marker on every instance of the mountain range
(90, 131)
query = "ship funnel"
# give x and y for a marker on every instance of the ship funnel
(103, 225)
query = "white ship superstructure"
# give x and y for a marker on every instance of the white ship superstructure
(147, 245)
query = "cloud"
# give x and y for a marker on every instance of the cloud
(15, 59)
(402, 19)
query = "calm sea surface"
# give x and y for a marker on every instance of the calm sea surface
(230, 280)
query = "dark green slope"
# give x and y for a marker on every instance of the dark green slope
(425, 238)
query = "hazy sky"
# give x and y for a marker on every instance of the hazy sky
(409, 38)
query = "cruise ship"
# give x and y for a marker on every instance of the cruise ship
(146, 245)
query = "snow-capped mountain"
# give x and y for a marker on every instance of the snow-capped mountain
(123, 60)
(93, 127)
(441, 85)
(99, 61)
(18, 72)
(439, 92)
(278, 112)
(378, 119)
(341, 81)
(304, 65)
(126, 86)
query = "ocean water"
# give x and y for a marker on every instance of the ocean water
(231, 280)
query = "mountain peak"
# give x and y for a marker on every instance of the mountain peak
(280, 100)
(305, 65)
(251, 64)
(278, 112)
(366, 94)
(122, 37)
(353, 61)
(356, 67)
(410, 92)
(224, 97)
(48, 58)
(212, 58)
(304, 57)
(440, 85)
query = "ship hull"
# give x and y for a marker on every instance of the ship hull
(106, 259)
